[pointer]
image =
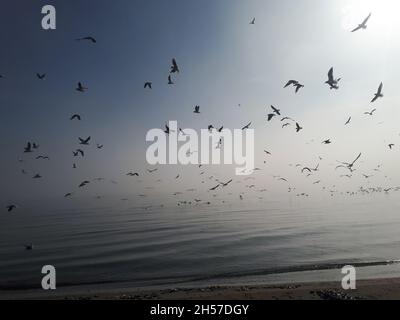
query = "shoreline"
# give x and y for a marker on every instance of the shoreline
(372, 289)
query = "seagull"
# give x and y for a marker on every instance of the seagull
(226, 184)
(170, 80)
(84, 142)
(75, 116)
(347, 122)
(286, 118)
(247, 126)
(148, 85)
(379, 94)
(174, 67)
(37, 176)
(84, 183)
(363, 25)
(270, 116)
(67, 195)
(291, 83)
(151, 171)
(88, 38)
(350, 165)
(327, 141)
(41, 76)
(99, 146)
(277, 111)
(29, 247)
(215, 188)
(267, 152)
(35, 146)
(370, 113)
(131, 174)
(196, 109)
(81, 88)
(253, 21)
(333, 83)
(28, 148)
(42, 157)
(391, 146)
(285, 125)
(294, 83)
(11, 207)
(167, 131)
(298, 128)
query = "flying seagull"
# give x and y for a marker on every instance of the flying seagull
(174, 67)
(84, 142)
(131, 174)
(332, 82)
(327, 141)
(347, 122)
(11, 207)
(75, 116)
(294, 83)
(370, 113)
(196, 109)
(298, 128)
(379, 94)
(363, 25)
(277, 111)
(84, 183)
(81, 88)
(170, 80)
(88, 38)
(247, 126)
(253, 21)
(271, 116)
(41, 76)
(391, 146)
(42, 157)
(148, 85)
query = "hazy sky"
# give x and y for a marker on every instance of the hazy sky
(224, 62)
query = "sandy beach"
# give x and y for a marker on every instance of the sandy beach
(374, 289)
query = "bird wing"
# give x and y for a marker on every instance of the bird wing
(366, 19)
(330, 74)
(380, 88)
(356, 29)
(358, 157)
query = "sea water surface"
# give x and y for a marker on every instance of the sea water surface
(200, 245)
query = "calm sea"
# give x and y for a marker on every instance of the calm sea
(286, 240)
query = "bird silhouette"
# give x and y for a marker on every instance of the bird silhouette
(41, 76)
(174, 67)
(88, 38)
(84, 142)
(148, 85)
(379, 94)
(11, 207)
(363, 25)
(80, 87)
(332, 82)
(246, 126)
(275, 110)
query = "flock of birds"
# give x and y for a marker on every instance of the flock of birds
(333, 84)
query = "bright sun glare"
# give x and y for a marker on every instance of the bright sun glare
(384, 17)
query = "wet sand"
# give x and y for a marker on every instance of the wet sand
(375, 289)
